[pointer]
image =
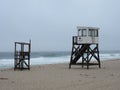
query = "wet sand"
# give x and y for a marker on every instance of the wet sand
(60, 77)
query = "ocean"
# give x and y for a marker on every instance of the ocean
(41, 58)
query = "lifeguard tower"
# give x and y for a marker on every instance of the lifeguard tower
(22, 55)
(85, 49)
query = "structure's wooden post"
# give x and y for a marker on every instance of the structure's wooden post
(71, 52)
(15, 56)
(98, 56)
(87, 57)
(29, 53)
(83, 60)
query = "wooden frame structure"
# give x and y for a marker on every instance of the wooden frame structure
(85, 52)
(85, 47)
(22, 55)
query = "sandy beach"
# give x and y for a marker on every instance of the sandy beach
(60, 77)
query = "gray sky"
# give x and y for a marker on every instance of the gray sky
(50, 24)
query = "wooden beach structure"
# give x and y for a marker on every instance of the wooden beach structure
(22, 55)
(85, 49)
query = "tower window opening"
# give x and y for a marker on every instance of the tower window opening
(93, 33)
(82, 32)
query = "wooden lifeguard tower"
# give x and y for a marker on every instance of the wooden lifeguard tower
(85, 49)
(22, 55)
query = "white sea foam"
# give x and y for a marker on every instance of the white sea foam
(49, 60)
(7, 63)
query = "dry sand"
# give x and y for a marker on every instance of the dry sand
(59, 77)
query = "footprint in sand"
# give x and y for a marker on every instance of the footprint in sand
(3, 78)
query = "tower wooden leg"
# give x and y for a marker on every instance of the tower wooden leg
(87, 65)
(69, 66)
(99, 65)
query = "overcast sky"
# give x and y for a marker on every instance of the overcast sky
(50, 24)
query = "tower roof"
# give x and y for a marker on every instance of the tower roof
(84, 27)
